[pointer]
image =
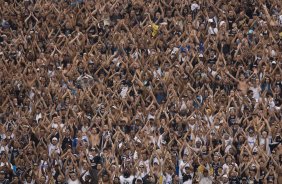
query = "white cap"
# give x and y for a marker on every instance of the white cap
(54, 139)
(155, 161)
(221, 23)
(194, 6)
(150, 117)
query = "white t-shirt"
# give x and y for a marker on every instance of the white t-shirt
(86, 173)
(53, 148)
(157, 73)
(136, 55)
(38, 116)
(226, 167)
(213, 31)
(209, 119)
(7, 164)
(188, 182)
(251, 141)
(141, 174)
(167, 178)
(256, 91)
(123, 92)
(73, 182)
(205, 180)
(128, 180)
(32, 182)
(4, 149)
(182, 164)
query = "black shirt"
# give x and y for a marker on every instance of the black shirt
(187, 177)
(231, 120)
(5, 181)
(66, 141)
(234, 180)
(230, 21)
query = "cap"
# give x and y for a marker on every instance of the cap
(156, 161)
(265, 33)
(150, 117)
(93, 149)
(141, 164)
(114, 107)
(210, 20)
(54, 139)
(187, 166)
(250, 31)
(139, 179)
(221, 23)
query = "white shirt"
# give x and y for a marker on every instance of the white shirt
(183, 106)
(73, 182)
(256, 91)
(8, 164)
(205, 180)
(188, 182)
(123, 92)
(38, 116)
(32, 182)
(213, 31)
(209, 119)
(52, 148)
(157, 73)
(86, 173)
(128, 180)
(141, 174)
(251, 141)
(182, 165)
(4, 149)
(167, 179)
(226, 167)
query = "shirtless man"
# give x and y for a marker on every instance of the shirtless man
(242, 81)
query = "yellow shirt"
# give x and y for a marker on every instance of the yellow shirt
(201, 169)
(155, 29)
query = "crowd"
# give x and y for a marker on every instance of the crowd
(140, 91)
